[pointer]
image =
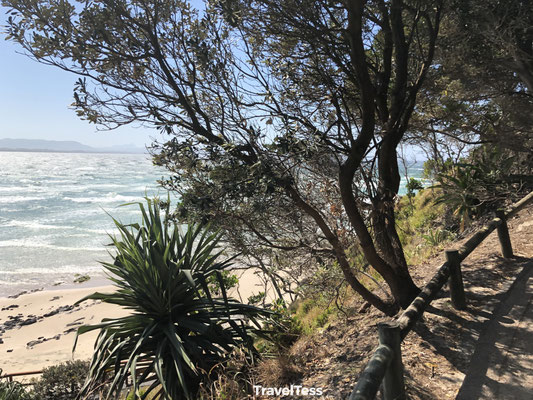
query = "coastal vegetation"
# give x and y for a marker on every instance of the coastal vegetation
(274, 111)
(60, 382)
(178, 329)
(13, 390)
(286, 120)
(286, 125)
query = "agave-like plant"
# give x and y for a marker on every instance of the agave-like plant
(458, 192)
(176, 330)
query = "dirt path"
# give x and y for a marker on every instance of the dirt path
(502, 364)
(483, 352)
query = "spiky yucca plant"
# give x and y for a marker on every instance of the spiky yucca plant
(176, 329)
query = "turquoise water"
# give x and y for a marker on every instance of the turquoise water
(54, 209)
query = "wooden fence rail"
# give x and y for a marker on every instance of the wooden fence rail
(385, 368)
(142, 364)
(9, 377)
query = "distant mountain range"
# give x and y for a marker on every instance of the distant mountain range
(64, 146)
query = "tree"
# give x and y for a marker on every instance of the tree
(478, 93)
(297, 103)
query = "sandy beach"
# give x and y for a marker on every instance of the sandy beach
(38, 329)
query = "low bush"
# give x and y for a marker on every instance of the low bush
(61, 382)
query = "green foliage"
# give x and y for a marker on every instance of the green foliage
(314, 312)
(256, 298)
(480, 183)
(412, 186)
(421, 224)
(432, 168)
(177, 330)
(262, 102)
(458, 192)
(228, 279)
(13, 390)
(132, 396)
(61, 382)
(284, 328)
(434, 237)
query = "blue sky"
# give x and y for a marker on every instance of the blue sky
(35, 99)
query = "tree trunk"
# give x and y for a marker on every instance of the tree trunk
(340, 255)
(390, 249)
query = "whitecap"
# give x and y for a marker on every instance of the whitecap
(32, 243)
(19, 199)
(35, 225)
(63, 269)
(110, 198)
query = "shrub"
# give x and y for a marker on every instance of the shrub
(177, 330)
(284, 328)
(435, 237)
(61, 382)
(412, 186)
(483, 182)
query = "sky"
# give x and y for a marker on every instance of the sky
(35, 99)
(35, 104)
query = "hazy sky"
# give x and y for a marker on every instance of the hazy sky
(35, 99)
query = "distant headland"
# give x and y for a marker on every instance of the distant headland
(64, 146)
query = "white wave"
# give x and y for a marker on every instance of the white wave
(63, 269)
(19, 199)
(32, 243)
(18, 189)
(100, 231)
(36, 225)
(110, 198)
(86, 169)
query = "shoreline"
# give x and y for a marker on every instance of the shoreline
(95, 281)
(38, 329)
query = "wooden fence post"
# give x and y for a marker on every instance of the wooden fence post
(393, 383)
(503, 235)
(457, 291)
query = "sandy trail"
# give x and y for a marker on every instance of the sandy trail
(502, 364)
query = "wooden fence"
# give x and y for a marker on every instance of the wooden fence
(9, 377)
(142, 365)
(385, 367)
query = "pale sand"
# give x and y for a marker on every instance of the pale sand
(23, 358)
(52, 351)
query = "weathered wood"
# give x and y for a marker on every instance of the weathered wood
(370, 379)
(474, 241)
(21, 374)
(377, 368)
(503, 235)
(455, 282)
(393, 384)
(516, 207)
(413, 313)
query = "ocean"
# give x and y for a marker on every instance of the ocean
(55, 212)
(56, 208)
